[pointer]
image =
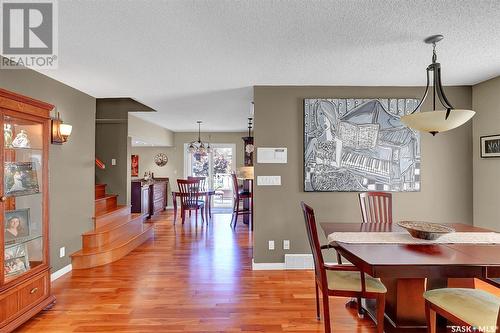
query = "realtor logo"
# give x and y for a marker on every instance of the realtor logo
(29, 34)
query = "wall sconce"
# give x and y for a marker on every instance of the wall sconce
(60, 131)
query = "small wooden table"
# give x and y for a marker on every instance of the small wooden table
(208, 202)
(408, 270)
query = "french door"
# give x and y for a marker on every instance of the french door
(217, 167)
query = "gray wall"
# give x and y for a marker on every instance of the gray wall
(71, 165)
(175, 166)
(446, 194)
(111, 142)
(486, 102)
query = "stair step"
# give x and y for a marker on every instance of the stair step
(115, 229)
(106, 204)
(100, 191)
(88, 258)
(110, 216)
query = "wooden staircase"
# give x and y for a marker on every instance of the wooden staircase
(116, 232)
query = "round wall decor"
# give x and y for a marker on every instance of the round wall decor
(161, 159)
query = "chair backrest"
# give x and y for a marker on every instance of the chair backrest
(201, 180)
(190, 191)
(312, 235)
(235, 184)
(376, 207)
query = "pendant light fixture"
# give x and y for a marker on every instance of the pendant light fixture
(436, 121)
(250, 148)
(198, 148)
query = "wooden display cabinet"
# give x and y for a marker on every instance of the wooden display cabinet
(24, 212)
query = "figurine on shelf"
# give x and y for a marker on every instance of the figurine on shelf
(21, 140)
(7, 135)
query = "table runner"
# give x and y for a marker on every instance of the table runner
(406, 238)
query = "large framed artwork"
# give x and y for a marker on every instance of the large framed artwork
(355, 145)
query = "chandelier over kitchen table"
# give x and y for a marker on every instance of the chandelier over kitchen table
(199, 148)
(436, 121)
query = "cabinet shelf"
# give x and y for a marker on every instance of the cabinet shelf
(21, 241)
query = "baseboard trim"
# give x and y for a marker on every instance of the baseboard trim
(57, 274)
(268, 266)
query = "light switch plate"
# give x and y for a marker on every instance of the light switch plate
(286, 244)
(269, 180)
(113, 161)
(62, 252)
(271, 245)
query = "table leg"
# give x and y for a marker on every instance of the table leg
(207, 207)
(210, 206)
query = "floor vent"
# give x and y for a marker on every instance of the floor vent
(299, 261)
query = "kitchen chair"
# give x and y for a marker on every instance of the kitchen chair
(190, 198)
(202, 181)
(463, 307)
(376, 207)
(340, 280)
(240, 194)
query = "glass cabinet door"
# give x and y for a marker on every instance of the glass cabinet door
(22, 200)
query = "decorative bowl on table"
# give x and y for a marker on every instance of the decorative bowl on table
(426, 230)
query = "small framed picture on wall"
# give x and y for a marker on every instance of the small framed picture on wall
(134, 165)
(490, 146)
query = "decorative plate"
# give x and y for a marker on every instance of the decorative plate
(161, 159)
(425, 230)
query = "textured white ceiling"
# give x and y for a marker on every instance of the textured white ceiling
(195, 60)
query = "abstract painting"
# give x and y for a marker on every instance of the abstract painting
(357, 145)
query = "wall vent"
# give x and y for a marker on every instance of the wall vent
(299, 261)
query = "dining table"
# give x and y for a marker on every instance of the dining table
(407, 270)
(206, 194)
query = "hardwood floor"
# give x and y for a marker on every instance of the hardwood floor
(190, 279)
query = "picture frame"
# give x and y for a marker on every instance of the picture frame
(20, 179)
(134, 165)
(490, 146)
(16, 260)
(16, 225)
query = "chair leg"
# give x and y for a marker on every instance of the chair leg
(359, 307)
(317, 301)
(237, 213)
(195, 215)
(430, 316)
(234, 210)
(326, 313)
(380, 313)
(183, 215)
(202, 210)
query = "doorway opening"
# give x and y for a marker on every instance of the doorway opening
(217, 167)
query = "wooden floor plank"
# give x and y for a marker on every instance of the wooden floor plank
(190, 278)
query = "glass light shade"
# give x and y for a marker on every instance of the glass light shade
(191, 149)
(65, 129)
(202, 150)
(435, 121)
(245, 172)
(249, 148)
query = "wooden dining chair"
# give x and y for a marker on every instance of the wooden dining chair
(463, 307)
(340, 280)
(191, 199)
(240, 194)
(376, 207)
(202, 181)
